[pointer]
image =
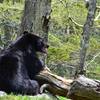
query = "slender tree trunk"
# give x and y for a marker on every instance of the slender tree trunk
(86, 34)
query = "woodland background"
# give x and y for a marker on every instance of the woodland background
(64, 35)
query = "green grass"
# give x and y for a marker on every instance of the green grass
(38, 97)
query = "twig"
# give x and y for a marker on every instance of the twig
(97, 17)
(65, 5)
(93, 59)
(75, 22)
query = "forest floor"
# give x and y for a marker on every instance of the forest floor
(38, 97)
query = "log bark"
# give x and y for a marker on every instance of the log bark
(81, 88)
(56, 85)
(85, 89)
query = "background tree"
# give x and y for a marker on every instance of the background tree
(36, 16)
(91, 5)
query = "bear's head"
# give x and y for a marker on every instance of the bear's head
(36, 42)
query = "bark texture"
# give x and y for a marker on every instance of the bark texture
(85, 89)
(56, 85)
(86, 34)
(81, 88)
(36, 16)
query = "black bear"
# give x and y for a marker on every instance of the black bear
(19, 64)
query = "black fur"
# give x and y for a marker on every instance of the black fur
(19, 64)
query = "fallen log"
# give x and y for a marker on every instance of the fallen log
(84, 89)
(81, 88)
(53, 83)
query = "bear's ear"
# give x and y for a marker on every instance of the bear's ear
(25, 32)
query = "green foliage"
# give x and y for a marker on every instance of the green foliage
(10, 16)
(94, 71)
(11, 12)
(94, 43)
(62, 98)
(38, 97)
(61, 47)
(61, 13)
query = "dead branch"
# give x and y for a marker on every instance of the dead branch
(95, 56)
(77, 24)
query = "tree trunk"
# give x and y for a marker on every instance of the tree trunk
(86, 34)
(36, 16)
